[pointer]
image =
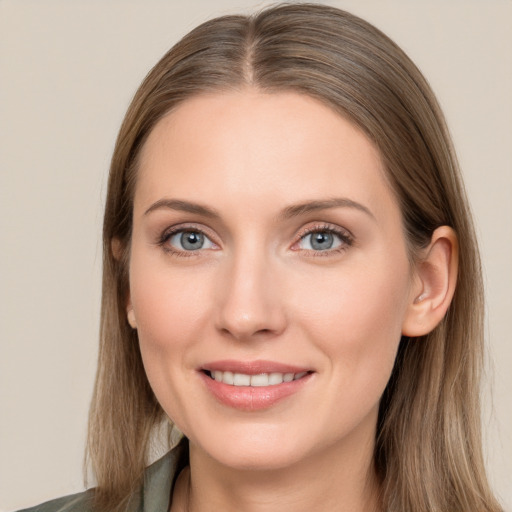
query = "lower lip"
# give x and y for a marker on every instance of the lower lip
(249, 398)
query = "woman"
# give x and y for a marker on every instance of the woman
(291, 277)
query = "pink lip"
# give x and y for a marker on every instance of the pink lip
(247, 398)
(252, 367)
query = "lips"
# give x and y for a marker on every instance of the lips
(255, 385)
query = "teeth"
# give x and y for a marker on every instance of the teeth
(259, 380)
(262, 379)
(275, 378)
(240, 379)
(228, 377)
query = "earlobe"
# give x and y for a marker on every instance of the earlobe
(436, 278)
(116, 247)
(130, 315)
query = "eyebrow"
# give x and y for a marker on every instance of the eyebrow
(182, 206)
(313, 206)
(295, 210)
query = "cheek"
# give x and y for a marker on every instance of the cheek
(356, 318)
(170, 308)
(168, 304)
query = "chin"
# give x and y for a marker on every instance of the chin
(254, 447)
(257, 458)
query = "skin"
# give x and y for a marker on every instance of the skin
(257, 291)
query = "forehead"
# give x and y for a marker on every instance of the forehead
(286, 147)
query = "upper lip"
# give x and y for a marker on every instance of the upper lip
(253, 367)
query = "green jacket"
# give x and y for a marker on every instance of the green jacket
(154, 494)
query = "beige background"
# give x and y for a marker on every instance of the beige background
(67, 72)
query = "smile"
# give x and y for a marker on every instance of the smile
(253, 385)
(259, 380)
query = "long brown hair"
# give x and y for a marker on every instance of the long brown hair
(428, 447)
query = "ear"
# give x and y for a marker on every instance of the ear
(117, 251)
(130, 315)
(116, 247)
(436, 278)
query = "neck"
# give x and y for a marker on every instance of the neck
(337, 478)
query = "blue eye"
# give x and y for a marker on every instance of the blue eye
(190, 241)
(321, 240)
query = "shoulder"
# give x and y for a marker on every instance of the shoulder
(81, 502)
(153, 495)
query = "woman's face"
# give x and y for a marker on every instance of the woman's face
(266, 247)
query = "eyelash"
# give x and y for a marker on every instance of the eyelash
(169, 233)
(346, 238)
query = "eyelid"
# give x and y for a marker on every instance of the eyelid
(347, 238)
(324, 226)
(169, 232)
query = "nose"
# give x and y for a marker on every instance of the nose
(250, 301)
